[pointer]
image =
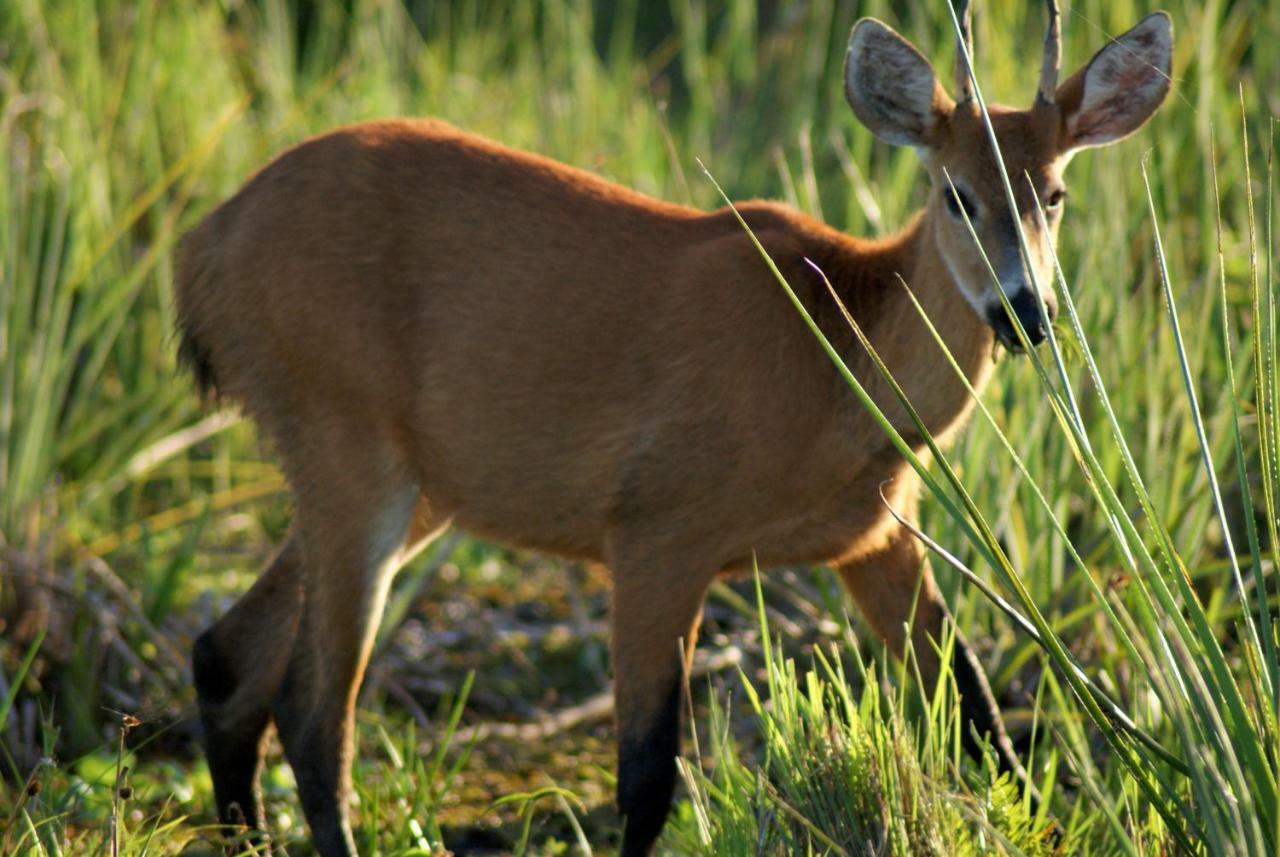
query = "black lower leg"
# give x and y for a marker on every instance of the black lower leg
(232, 739)
(647, 775)
(981, 715)
(312, 733)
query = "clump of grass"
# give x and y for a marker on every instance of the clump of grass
(845, 773)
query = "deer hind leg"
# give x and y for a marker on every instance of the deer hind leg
(355, 510)
(893, 586)
(654, 610)
(237, 665)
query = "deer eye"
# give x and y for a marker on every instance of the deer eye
(1055, 200)
(958, 201)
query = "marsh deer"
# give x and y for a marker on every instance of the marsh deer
(433, 329)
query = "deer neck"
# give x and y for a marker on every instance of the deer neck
(907, 346)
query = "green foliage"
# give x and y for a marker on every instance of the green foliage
(846, 774)
(1121, 493)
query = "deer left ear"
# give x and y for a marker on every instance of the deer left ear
(1120, 88)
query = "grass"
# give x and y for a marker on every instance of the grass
(1100, 500)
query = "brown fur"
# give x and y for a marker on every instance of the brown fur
(433, 329)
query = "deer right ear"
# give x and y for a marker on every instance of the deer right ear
(892, 88)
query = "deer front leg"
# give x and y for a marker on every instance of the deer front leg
(653, 611)
(895, 582)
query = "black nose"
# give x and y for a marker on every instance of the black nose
(1027, 308)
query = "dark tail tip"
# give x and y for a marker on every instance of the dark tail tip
(194, 357)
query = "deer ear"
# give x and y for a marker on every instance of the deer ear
(1120, 88)
(892, 88)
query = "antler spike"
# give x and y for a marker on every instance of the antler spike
(964, 85)
(1052, 56)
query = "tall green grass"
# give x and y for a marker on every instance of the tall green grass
(1216, 701)
(122, 122)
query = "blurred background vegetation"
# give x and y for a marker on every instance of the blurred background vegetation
(129, 516)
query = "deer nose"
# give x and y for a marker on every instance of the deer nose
(1027, 308)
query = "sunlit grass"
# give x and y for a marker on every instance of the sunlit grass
(122, 123)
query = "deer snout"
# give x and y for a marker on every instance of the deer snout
(1027, 308)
